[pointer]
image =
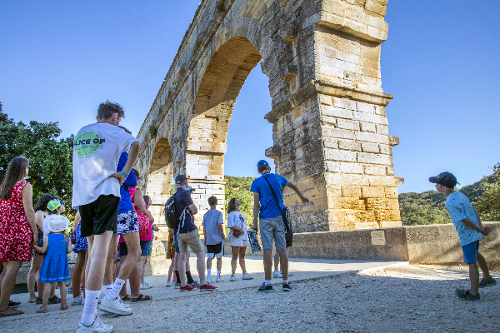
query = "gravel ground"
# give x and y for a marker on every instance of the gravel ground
(403, 298)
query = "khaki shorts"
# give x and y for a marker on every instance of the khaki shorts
(270, 228)
(191, 239)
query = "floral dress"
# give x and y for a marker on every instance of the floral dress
(15, 232)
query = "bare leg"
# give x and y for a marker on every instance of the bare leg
(133, 255)
(276, 261)
(96, 264)
(64, 294)
(36, 264)
(171, 269)
(209, 263)
(46, 293)
(181, 267)
(144, 262)
(284, 263)
(135, 280)
(483, 265)
(268, 264)
(234, 258)
(76, 277)
(200, 265)
(243, 251)
(111, 254)
(474, 279)
(219, 264)
(8, 281)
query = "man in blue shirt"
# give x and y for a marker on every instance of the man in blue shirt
(188, 236)
(267, 215)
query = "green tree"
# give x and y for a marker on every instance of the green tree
(239, 188)
(50, 156)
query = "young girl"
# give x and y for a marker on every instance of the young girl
(56, 246)
(238, 225)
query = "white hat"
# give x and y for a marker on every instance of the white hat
(57, 223)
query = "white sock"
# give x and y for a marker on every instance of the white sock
(117, 286)
(276, 272)
(218, 273)
(209, 273)
(268, 282)
(285, 281)
(90, 306)
(106, 289)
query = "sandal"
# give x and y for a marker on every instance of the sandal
(142, 298)
(42, 310)
(126, 298)
(64, 306)
(14, 312)
(32, 299)
(13, 304)
(54, 300)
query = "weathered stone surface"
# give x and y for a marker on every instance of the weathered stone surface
(330, 134)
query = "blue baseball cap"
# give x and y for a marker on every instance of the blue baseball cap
(446, 179)
(261, 163)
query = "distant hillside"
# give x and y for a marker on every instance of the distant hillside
(429, 207)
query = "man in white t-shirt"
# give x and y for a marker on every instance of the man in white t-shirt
(96, 193)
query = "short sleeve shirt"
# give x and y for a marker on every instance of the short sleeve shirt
(237, 219)
(182, 200)
(211, 221)
(268, 206)
(460, 208)
(96, 150)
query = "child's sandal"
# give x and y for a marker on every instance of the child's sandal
(42, 310)
(64, 306)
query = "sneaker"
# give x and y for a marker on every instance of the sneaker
(210, 280)
(78, 300)
(187, 287)
(101, 296)
(177, 285)
(169, 284)
(144, 286)
(286, 287)
(464, 294)
(232, 278)
(207, 287)
(97, 326)
(194, 284)
(290, 274)
(246, 276)
(219, 279)
(265, 288)
(116, 306)
(277, 274)
(487, 282)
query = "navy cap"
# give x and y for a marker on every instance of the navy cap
(445, 178)
(261, 163)
(180, 179)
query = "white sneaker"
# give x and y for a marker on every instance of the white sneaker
(210, 280)
(97, 326)
(219, 279)
(78, 300)
(233, 278)
(277, 274)
(116, 306)
(246, 276)
(290, 274)
(145, 286)
(169, 284)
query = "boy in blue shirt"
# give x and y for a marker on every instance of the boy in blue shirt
(470, 230)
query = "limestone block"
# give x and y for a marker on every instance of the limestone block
(371, 137)
(331, 143)
(382, 129)
(374, 158)
(344, 103)
(391, 192)
(385, 149)
(369, 117)
(370, 147)
(348, 124)
(390, 171)
(367, 225)
(351, 168)
(372, 192)
(377, 170)
(381, 181)
(332, 166)
(351, 191)
(368, 127)
(338, 133)
(391, 224)
(349, 145)
(346, 203)
(336, 112)
(340, 155)
(325, 100)
(376, 7)
(393, 141)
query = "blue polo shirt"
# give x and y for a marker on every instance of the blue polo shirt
(268, 206)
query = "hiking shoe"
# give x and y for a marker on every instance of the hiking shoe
(207, 287)
(232, 278)
(13, 304)
(116, 306)
(177, 285)
(97, 326)
(144, 286)
(187, 287)
(169, 284)
(246, 276)
(54, 300)
(265, 288)
(277, 274)
(219, 279)
(487, 282)
(286, 287)
(194, 284)
(210, 280)
(78, 300)
(464, 294)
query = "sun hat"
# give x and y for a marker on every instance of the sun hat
(261, 163)
(57, 223)
(445, 178)
(54, 204)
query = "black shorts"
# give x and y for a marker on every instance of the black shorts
(217, 248)
(99, 216)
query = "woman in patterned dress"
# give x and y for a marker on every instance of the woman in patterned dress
(17, 228)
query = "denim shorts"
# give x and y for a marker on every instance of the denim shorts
(270, 228)
(176, 242)
(470, 252)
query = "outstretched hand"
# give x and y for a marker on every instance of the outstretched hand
(119, 176)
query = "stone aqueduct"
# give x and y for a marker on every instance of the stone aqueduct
(330, 134)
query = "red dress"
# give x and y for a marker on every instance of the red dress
(15, 232)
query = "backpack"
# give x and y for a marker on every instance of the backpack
(171, 216)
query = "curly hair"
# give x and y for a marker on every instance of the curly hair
(42, 202)
(107, 109)
(16, 171)
(231, 206)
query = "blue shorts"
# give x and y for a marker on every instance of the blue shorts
(176, 242)
(144, 249)
(470, 252)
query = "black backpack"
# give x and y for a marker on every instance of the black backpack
(171, 216)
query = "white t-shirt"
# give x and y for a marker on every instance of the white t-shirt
(97, 148)
(237, 219)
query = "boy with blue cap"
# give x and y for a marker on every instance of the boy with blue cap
(470, 230)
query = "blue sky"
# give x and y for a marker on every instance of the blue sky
(60, 59)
